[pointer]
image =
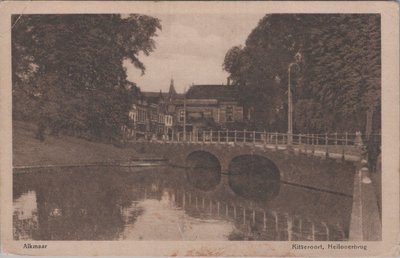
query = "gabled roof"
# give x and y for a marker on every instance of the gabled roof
(219, 92)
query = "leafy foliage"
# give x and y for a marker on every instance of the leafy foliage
(339, 76)
(70, 68)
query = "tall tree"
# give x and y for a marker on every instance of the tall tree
(339, 75)
(342, 70)
(71, 66)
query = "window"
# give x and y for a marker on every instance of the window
(181, 115)
(229, 113)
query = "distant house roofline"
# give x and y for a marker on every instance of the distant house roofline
(213, 91)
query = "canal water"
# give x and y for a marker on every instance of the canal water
(165, 203)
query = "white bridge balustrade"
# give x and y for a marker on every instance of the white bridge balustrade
(337, 145)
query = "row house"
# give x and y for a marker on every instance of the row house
(203, 107)
(146, 117)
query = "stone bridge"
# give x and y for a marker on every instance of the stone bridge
(306, 167)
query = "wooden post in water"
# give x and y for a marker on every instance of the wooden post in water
(219, 137)
(264, 221)
(254, 217)
(326, 230)
(335, 138)
(183, 200)
(244, 135)
(235, 136)
(289, 227)
(244, 216)
(276, 223)
(211, 136)
(254, 137)
(227, 136)
(312, 231)
(204, 136)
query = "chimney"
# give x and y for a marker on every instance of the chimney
(228, 81)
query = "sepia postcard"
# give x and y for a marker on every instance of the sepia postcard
(179, 128)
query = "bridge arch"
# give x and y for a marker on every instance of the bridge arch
(203, 170)
(254, 176)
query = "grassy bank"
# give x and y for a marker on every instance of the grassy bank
(62, 150)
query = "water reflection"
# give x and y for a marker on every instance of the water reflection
(204, 170)
(159, 204)
(174, 222)
(254, 177)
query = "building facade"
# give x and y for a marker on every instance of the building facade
(202, 107)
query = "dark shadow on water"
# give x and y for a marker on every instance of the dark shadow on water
(204, 170)
(254, 177)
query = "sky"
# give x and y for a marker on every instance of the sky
(191, 49)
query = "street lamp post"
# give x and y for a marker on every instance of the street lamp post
(184, 114)
(290, 101)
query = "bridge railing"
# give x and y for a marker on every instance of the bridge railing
(259, 138)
